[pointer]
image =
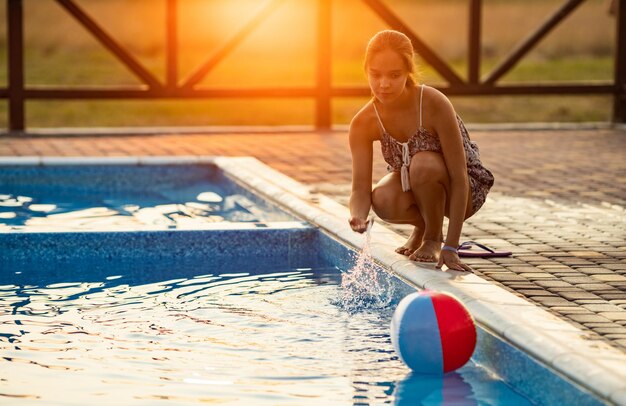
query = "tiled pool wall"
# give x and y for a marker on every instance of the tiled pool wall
(249, 248)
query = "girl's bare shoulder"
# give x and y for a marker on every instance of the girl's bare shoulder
(436, 105)
(364, 124)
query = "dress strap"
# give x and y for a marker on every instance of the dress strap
(380, 122)
(421, 98)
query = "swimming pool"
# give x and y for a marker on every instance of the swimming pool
(188, 332)
(246, 313)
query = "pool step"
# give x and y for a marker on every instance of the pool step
(253, 247)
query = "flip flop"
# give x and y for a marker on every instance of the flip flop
(484, 252)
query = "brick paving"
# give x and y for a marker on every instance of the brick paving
(558, 204)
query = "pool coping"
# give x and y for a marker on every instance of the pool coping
(593, 365)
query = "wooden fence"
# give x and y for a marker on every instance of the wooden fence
(323, 92)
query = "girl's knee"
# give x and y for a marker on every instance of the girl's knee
(382, 202)
(427, 167)
(390, 203)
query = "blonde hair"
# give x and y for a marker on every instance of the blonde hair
(397, 42)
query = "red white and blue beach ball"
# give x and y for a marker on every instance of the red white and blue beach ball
(432, 332)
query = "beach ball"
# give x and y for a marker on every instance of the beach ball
(432, 332)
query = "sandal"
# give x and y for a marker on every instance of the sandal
(483, 252)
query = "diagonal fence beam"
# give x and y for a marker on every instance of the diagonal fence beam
(522, 49)
(105, 39)
(231, 44)
(420, 46)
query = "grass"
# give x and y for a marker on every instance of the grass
(281, 52)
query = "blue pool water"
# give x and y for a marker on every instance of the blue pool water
(220, 335)
(125, 196)
(160, 283)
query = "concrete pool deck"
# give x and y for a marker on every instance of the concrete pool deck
(558, 204)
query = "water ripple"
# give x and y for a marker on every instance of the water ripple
(254, 339)
(239, 328)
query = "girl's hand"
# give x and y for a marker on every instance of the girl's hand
(451, 260)
(358, 225)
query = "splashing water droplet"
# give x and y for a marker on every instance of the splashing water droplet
(365, 286)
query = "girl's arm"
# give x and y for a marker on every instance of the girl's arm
(362, 157)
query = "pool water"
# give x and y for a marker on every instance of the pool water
(217, 336)
(125, 197)
(173, 284)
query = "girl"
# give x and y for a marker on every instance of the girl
(435, 169)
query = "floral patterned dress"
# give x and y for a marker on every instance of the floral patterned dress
(398, 156)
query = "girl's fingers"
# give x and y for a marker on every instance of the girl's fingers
(460, 266)
(454, 264)
(440, 262)
(358, 225)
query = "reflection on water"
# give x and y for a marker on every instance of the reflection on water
(229, 337)
(450, 389)
(84, 212)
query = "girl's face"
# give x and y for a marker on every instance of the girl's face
(387, 75)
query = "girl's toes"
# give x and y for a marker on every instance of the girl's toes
(421, 258)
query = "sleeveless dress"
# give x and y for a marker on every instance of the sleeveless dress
(398, 156)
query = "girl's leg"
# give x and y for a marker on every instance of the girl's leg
(430, 185)
(393, 205)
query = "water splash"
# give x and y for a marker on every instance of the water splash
(365, 286)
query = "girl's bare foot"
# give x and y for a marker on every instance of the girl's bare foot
(414, 241)
(428, 251)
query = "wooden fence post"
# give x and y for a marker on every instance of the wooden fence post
(475, 17)
(619, 108)
(171, 47)
(15, 15)
(323, 119)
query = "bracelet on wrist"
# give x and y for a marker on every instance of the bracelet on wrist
(449, 248)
